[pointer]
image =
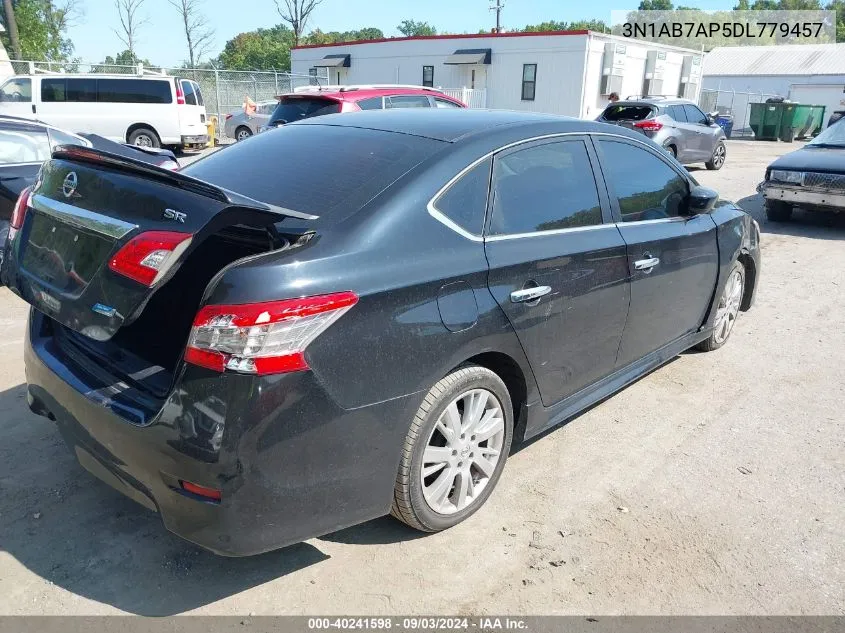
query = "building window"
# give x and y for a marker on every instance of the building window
(529, 81)
(428, 76)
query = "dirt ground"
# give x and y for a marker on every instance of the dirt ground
(714, 485)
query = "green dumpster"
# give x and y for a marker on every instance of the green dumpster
(800, 121)
(766, 119)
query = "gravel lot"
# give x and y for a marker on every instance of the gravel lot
(714, 485)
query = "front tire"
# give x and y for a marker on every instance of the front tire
(455, 450)
(778, 211)
(144, 137)
(728, 309)
(718, 158)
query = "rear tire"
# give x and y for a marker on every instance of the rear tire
(672, 150)
(462, 435)
(718, 158)
(777, 211)
(242, 133)
(727, 310)
(144, 137)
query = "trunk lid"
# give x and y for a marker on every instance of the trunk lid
(86, 206)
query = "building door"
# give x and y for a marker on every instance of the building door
(475, 77)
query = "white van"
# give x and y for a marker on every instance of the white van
(145, 110)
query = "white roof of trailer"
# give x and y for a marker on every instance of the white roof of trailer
(799, 59)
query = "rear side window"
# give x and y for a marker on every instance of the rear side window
(677, 113)
(375, 103)
(408, 101)
(53, 90)
(645, 186)
(330, 171)
(81, 90)
(18, 89)
(444, 103)
(292, 109)
(133, 91)
(627, 113)
(544, 188)
(465, 201)
(23, 146)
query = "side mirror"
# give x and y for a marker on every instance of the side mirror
(701, 200)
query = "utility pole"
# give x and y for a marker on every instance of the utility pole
(497, 7)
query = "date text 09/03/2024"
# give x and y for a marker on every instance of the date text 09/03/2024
(418, 623)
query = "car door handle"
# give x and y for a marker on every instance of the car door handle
(530, 294)
(646, 264)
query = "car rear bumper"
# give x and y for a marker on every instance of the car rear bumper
(801, 196)
(291, 464)
(196, 139)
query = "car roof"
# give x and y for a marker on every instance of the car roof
(453, 125)
(19, 120)
(359, 94)
(654, 101)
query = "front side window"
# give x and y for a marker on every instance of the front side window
(18, 89)
(408, 101)
(529, 81)
(23, 146)
(544, 188)
(428, 76)
(694, 115)
(646, 187)
(465, 201)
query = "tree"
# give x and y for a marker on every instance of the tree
(12, 27)
(263, 49)
(580, 25)
(331, 37)
(198, 33)
(655, 5)
(839, 7)
(41, 28)
(130, 22)
(118, 63)
(410, 28)
(296, 13)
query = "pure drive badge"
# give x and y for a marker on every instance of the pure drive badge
(176, 216)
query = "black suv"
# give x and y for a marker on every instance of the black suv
(367, 317)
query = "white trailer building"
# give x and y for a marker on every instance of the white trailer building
(811, 73)
(569, 73)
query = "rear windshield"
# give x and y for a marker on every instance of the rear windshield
(627, 113)
(292, 109)
(330, 171)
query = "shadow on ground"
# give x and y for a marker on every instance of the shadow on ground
(74, 531)
(813, 224)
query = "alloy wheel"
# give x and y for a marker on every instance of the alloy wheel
(719, 155)
(462, 451)
(728, 309)
(242, 135)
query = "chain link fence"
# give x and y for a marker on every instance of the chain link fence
(223, 91)
(736, 104)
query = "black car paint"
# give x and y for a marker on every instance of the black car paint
(812, 158)
(302, 454)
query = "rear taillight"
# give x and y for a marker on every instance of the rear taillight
(263, 338)
(228, 116)
(180, 96)
(648, 126)
(19, 212)
(148, 256)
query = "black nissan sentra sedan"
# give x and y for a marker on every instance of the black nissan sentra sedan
(359, 313)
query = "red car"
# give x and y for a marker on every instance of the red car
(316, 101)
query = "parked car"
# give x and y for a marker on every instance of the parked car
(677, 125)
(812, 177)
(26, 144)
(146, 110)
(240, 125)
(268, 354)
(334, 99)
(835, 116)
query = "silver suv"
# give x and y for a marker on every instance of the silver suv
(678, 125)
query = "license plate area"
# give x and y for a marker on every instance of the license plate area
(61, 256)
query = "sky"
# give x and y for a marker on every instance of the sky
(162, 41)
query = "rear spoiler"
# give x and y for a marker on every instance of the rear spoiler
(172, 178)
